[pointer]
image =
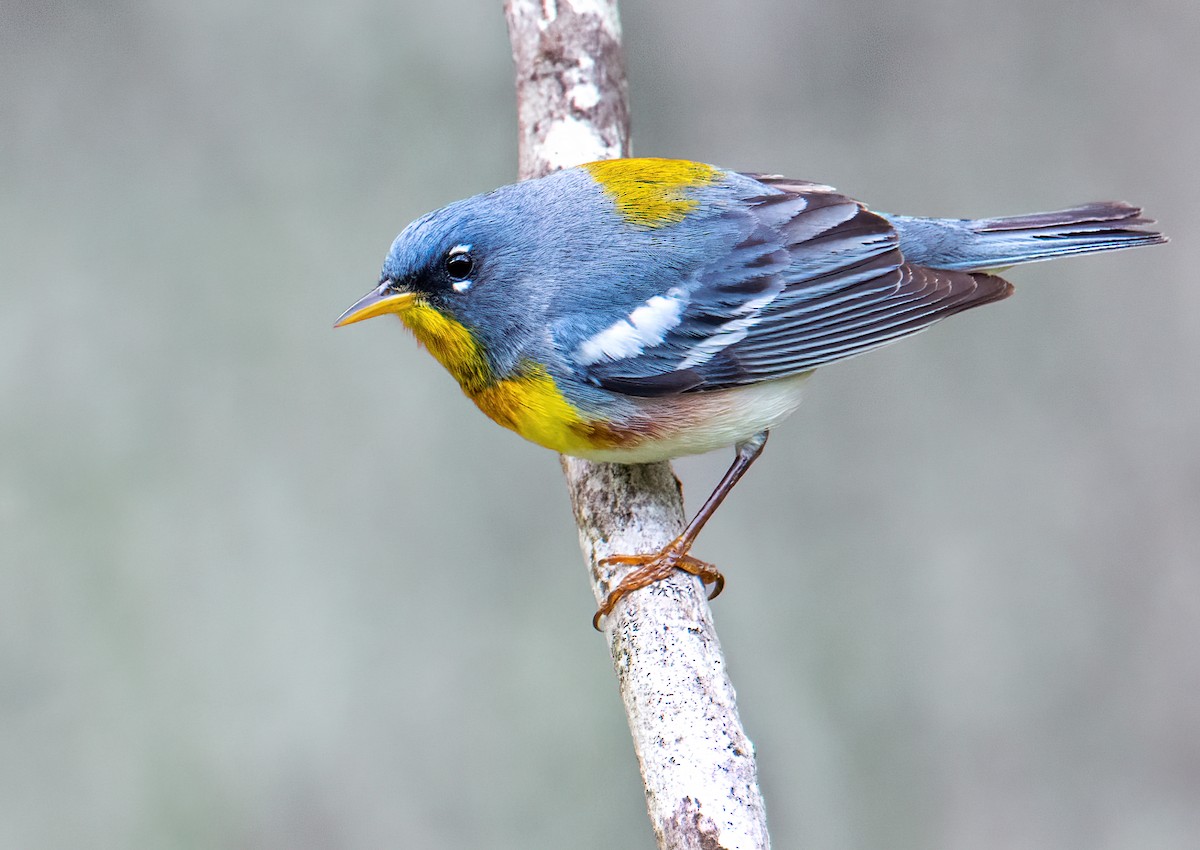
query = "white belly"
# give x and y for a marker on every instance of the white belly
(694, 423)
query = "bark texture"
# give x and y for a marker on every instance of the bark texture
(696, 761)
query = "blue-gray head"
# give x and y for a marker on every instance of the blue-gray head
(469, 262)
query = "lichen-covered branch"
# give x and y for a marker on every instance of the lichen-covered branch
(696, 761)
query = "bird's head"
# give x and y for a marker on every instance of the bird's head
(455, 277)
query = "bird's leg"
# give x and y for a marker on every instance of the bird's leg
(674, 556)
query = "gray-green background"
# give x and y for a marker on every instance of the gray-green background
(267, 585)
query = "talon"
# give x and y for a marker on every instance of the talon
(653, 568)
(624, 560)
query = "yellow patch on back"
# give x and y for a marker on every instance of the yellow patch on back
(651, 192)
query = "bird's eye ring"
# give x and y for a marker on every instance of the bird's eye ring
(459, 264)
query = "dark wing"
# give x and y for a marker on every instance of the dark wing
(815, 277)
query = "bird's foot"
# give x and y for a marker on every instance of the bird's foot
(652, 568)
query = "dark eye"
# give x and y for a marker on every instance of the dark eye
(459, 264)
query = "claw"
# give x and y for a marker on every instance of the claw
(674, 556)
(649, 569)
(624, 560)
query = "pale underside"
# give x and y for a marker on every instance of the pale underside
(703, 422)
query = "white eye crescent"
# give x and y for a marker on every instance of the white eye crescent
(459, 265)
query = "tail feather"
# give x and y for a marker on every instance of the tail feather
(1097, 214)
(989, 244)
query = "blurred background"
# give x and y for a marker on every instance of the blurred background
(265, 585)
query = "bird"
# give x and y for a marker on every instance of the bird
(642, 309)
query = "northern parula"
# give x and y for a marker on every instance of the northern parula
(637, 310)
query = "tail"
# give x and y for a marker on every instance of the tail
(990, 244)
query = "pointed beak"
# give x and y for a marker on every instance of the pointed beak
(376, 303)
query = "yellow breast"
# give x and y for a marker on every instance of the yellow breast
(528, 402)
(532, 405)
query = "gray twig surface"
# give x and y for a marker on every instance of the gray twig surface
(696, 761)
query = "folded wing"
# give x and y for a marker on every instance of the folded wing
(813, 277)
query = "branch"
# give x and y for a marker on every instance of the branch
(696, 761)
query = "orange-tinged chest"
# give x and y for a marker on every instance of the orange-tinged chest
(531, 404)
(528, 402)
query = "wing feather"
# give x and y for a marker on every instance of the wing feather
(814, 277)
